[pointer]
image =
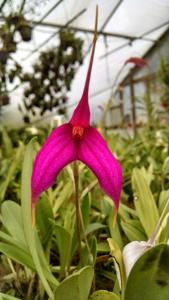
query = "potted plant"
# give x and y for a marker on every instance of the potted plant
(4, 55)
(7, 38)
(25, 30)
(52, 76)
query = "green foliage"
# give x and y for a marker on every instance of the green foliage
(164, 78)
(11, 172)
(48, 254)
(7, 297)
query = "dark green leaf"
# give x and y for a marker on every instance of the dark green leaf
(149, 278)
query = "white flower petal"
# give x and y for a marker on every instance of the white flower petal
(133, 251)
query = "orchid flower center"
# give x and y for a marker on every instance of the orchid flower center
(77, 132)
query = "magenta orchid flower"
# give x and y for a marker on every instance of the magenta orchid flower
(77, 140)
(138, 61)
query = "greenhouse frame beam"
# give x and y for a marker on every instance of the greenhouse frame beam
(105, 24)
(144, 78)
(2, 5)
(142, 37)
(85, 30)
(111, 14)
(50, 11)
(54, 34)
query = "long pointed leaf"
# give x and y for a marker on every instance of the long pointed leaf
(26, 215)
(11, 172)
(144, 202)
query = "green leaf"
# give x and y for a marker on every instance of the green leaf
(93, 227)
(114, 230)
(7, 143)
(7, 297)
(69, 217)
(133, 230)
(12, 220)
(163, 234)
(8, 239)
(165, 167)
(19, 248)
(46, 267)
(11, 172)
(104, 295)
(102, 247)
(89, 258)
(125, 211)
(148, 174)
(87, 190)
(164, 196)
(17, 254)
(44, 215)
(77, 286)
(63, 196)
(30, 233)
(144, 202)
(149, 278)
(93, 247)
(63, 240)
(85, 208)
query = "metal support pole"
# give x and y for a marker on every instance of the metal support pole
(133, 102)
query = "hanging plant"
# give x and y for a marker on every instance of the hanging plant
(52, 75)
(25, 30)
(17, 22)
(7, 38)
(4, 55)
(13, 19)
(13, 22)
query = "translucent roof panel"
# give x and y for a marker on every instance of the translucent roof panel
(126, 28)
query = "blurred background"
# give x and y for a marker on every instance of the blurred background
(44, 55)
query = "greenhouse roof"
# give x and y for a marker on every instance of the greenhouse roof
(126, 29)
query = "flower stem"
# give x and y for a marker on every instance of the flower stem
(76, 181)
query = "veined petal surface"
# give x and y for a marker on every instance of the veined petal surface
(94, 152)
(58, 151)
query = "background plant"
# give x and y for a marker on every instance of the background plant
(164, 78)
(47, 86)
(13, 22)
